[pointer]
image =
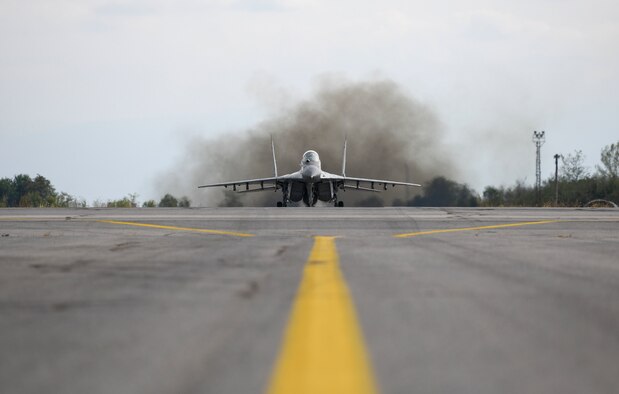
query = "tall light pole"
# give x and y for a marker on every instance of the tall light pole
(539, 139)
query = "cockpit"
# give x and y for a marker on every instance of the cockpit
(310, 157)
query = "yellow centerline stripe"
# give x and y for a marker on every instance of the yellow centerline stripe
(453, 230)
(196, 230)
(323, 349)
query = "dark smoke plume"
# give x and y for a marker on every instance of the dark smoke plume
(387, 132)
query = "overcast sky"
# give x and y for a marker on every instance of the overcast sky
(101, 97)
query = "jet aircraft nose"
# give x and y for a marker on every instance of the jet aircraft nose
(311, 173)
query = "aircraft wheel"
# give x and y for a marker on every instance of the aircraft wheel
(279, 204)
(340, 204)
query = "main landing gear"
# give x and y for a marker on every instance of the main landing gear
(281, 204)
(339, 204)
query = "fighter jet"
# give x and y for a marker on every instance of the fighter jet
(310, 184)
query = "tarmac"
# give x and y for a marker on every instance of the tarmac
(206, 300)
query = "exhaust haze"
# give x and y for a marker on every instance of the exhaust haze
(387, 131)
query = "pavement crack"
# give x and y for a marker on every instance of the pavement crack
(281, 251)
(80, 263)
(250, 290)
(123, 246)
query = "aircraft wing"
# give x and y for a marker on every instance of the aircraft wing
(265, 183)
(355, 183)
(246, 182)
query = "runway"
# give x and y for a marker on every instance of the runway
(245, 300)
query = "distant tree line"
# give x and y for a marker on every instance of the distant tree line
(23, 191)
(168, 201)
(443, 192)
(130, 201)
(577, 186)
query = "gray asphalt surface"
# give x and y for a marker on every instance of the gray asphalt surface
(92, 307)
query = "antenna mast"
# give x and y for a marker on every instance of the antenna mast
(538, 139)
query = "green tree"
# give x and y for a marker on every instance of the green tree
(124, 202)
(493, 196)
(466, 197)
(520, 195)
(443, 192)
(63, 200)
(149, 204)
(6, 188)
(43, 187)
(439, 192)
(573, 168)
(133, 198)
(184, 202)
(31, 199)
(610, 161)
(168, 201)
(22, 185)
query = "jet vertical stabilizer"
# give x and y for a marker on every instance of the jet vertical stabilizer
(274, 161)
(344, 157)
